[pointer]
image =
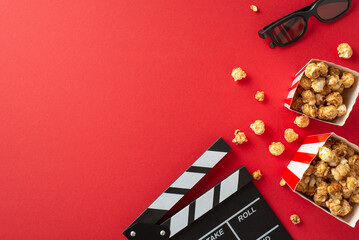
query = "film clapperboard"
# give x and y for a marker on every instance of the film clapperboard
(233, 209)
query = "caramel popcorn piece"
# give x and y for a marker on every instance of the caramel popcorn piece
(239, 137)
(342, 110)
(334, 82)
(349, 186)
(310, 170)
(295, 219)
(326, 90)
(327, 113)
(341, 89)
(254, 8)
(347, 79)
(310, 110)
(339, 207)
(320, 99)
(305, 82)
(335, 191)
(350, 152)
(318, 84)
(321, 195)
(328, 156)
(354, 198)
(276, 148)
(258, 127)
(259, 96)
(340, 148)
(257, 175)
(353, 162)
(308, 97)
(302, 185)
(290, 135)
(321, 169)
(297, 104)
(345, 50)
(330, 142)
(238, 74)
(312, 70)
(334, 71)
(301, 121)
(323, 68)
(282, 182)
(335, 99)
(340, 171)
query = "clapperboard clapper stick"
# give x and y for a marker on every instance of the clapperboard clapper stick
(233, 209)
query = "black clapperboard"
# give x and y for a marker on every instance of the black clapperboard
(231, 210)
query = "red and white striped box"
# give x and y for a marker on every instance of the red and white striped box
(350, 95)
(301, 161)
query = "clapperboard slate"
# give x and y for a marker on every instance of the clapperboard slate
(233, 209)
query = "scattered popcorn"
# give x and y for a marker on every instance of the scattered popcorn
(301, 121)
(254, 8)
(238, 74)
(276, 148)
(327, 113)
(295, 219)
(347, 79)
(258, 127)
(257, 175)
(239, 137)
(345, 50)
(312, 70)
(259, 96)
(290, 135)
(282, 182)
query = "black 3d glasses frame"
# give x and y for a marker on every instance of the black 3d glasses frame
(305, 13)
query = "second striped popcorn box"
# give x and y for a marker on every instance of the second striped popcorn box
(349, 95)
(304, 164)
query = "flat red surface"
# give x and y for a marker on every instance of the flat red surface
(104, 104)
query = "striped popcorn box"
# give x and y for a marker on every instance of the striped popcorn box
(301, 161)
(350, 94)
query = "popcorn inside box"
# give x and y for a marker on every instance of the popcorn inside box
(325, 171)
(324, 91)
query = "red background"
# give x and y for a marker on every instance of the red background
(104, 104)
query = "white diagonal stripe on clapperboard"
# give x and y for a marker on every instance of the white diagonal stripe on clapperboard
(209, 159)
(187, 180)
(204, 203)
